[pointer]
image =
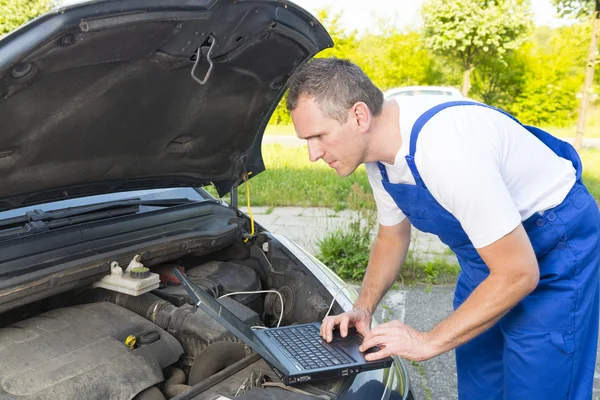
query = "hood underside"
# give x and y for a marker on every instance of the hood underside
(99, 97)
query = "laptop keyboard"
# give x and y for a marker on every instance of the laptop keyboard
(305, 346)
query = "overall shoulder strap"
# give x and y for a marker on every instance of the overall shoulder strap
(560, 147)
(424, 118)
(427, 115)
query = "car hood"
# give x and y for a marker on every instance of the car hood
(110, 96)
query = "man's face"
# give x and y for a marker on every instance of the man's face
(341, 146)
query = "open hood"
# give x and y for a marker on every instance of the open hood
(119, 95)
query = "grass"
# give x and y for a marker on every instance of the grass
(292, 180)
(346, 251)
(423, 375)
(591, 171)
(592, 126)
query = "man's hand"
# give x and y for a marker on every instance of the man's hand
(389, 251)
(358, 317)
(395, 338)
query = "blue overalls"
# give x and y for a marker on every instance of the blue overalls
(545, 347)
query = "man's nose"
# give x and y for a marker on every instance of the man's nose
(314, 151)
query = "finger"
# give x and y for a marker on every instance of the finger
(345, 321)
(378, 355)
(374, 341)
(326, 326)
(328, 329)
(386, 329)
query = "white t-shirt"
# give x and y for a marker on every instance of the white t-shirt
(480, 165)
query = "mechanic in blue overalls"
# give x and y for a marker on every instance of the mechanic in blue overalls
(508, 199)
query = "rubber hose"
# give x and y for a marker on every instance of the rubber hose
(152, 393)
(175, 385)
(143, 304)
(215, 358)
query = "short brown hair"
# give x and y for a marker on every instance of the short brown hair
(336, 85)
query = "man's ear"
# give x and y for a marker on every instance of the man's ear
(361, 114)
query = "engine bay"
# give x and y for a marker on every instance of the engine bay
(96, 343)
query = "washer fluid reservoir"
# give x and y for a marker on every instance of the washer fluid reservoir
(135, 280)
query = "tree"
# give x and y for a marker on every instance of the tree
(14, 13)
(547, 94)
(396, 59)
(499, 82)
(470, 32)
(580, 8)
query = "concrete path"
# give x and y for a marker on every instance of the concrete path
(293, 141)
(422, 307)
(306, 226)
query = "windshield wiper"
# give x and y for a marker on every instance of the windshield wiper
(39, 220)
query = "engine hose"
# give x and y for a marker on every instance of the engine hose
(144, 305)
(175, 385)
(215, 358)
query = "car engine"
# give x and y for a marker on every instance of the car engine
(96, 343)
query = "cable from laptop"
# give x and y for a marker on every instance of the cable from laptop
(332, 301)
(262, 291)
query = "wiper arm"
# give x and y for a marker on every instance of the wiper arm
(42, 226)
(48, 216)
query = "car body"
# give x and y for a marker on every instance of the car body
(115, 116)
(424, 91)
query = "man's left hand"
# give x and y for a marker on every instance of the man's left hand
(397, 338)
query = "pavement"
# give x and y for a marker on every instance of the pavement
(306, 226)
(293, 141)
(420, 306)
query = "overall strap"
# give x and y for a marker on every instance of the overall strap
(422, 120)
(427, 115)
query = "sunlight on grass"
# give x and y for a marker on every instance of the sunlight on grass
(292, 180)
(592, 128)
(591, 171)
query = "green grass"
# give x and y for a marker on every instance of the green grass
(292, 180)
(592, 126)
(591, 171)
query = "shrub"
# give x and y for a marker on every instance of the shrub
(346, 250)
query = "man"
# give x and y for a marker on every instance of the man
(507, 199)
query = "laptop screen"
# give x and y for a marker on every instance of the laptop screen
(226, 318)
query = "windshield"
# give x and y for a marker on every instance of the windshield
(192, 194)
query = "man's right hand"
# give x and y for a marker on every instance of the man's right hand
(360, 318)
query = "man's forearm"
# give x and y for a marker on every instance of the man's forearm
(484, 307)
(514, 273)
(387, 257)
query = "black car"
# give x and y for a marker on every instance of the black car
(114, 116)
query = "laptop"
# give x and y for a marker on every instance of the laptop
(296, 353)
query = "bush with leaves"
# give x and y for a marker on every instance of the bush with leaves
(15, 13)
(346, 250)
